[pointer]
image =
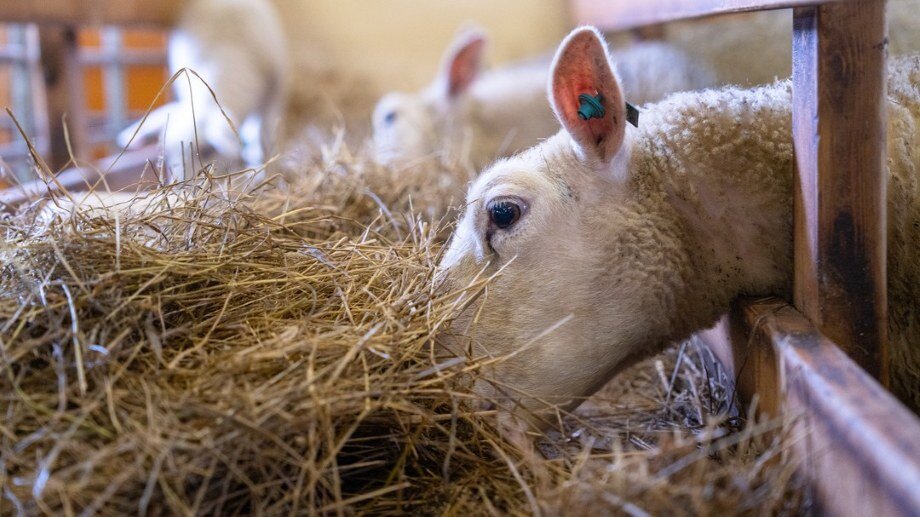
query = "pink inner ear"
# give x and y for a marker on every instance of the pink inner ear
(464, 67)
(566, 94)
(583, 68)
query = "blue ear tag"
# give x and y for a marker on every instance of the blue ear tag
(590, 106)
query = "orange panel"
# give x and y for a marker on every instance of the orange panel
(89, 38)
(100, 151)
(143, 84)
(6, 135)
(143, 39)
(5, 85)
(94, 89)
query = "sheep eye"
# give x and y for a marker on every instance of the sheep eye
(503, 214)
(390, 117)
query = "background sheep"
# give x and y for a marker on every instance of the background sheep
(609, 242)
(465, 113)
(729, 42)
(239, 49)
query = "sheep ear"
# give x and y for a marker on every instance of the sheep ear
(463, 61)
(582, 66)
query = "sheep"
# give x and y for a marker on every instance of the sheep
(606, 242)
(728, 42)
(474, 116)
(239, 50)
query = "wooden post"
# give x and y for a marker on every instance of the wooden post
(839, 132)
(64, 84)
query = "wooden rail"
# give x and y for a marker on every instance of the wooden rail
(152, 13)
(818, 362)
(132, 170)
(618, 15)
(61, 103)
(860, 444)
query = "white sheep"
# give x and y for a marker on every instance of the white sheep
(470, 115)
(239, 49)
(610, 242)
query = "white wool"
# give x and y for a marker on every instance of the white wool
(505, 110)
(239, 49)
(627, 262)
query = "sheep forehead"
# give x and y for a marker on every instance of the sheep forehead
(511, 177)
(543, 168)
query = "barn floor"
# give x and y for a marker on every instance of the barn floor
(271, 353)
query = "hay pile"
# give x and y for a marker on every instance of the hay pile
(221, 353)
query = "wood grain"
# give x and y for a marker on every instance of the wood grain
(63, 96)
(857, 444)
(617, 15)
(839, 134)
(153, 13)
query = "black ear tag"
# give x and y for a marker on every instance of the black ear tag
(593, 107)
(632, 114)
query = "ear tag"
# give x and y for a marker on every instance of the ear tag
(632, 115)
(592, 107)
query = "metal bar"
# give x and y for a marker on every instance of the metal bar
(14, 149)
(114, 80)
(42, 134)
(129, 57)
(839, 136)
(12, 52)
(21, 91)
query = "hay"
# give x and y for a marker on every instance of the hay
(221, 353)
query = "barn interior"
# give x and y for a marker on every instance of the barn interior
(251, 324)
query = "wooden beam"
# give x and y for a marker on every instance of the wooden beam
(153, 13)
(649, 33)
(858, 446)
(617, 15)
(839, 135)
(65, 99)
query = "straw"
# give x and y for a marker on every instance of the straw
(210, 351)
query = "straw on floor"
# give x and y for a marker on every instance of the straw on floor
(208, 351)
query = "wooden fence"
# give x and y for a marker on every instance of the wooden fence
(823, 361)
(62, 92)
